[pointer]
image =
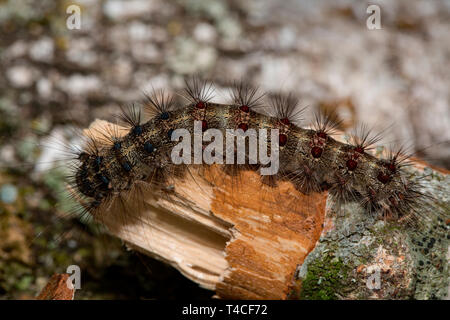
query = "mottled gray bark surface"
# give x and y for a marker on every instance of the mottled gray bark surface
(361, 257)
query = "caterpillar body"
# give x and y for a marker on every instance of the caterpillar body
(308, 157)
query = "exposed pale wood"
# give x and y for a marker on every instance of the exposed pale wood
(229, 234)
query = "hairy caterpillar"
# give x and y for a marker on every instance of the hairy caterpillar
(114, 167)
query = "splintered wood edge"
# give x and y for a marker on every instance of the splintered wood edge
(57, 288)
(230, 234)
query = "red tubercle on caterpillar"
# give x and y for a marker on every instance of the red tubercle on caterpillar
(204, 125)
(352, 161)
(244, 108)
(317, 144)
(200, 105)
(359, 149)
(318, 140)
(245, 96)
(199, 92)
(351, 164)
(242, 116)
(243, 126)
(322, 135)
(199, 113)
(386, 176)
(285, 121)
(391, 166)
(383, 177)
(316, 152)
(282, 139)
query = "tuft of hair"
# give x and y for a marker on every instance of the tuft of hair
(305, 179)
(130, 116)
(91, 146)
(244, 95)
(198, 90)
(326, 123)
(397, 158)
(109, 135)
(286, 109)
(363, 139)
(409, 203)
(341, 189)
(158, 104)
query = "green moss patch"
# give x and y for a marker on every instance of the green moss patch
(324, 278)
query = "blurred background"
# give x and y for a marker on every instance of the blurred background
(53, 78)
